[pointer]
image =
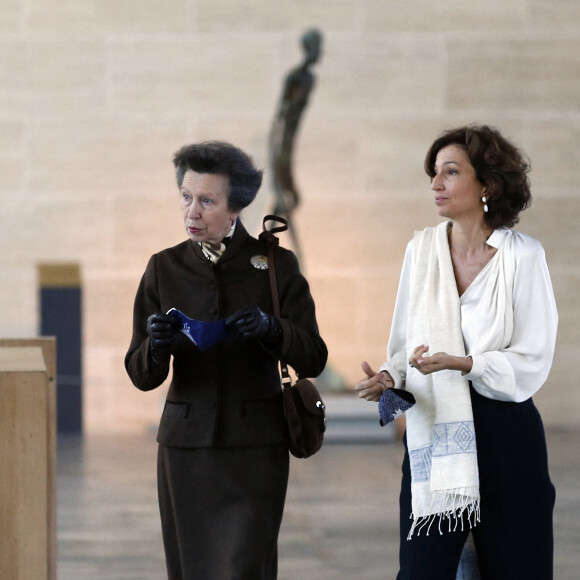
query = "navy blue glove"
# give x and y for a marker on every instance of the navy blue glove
(163, 331)
(254, 323)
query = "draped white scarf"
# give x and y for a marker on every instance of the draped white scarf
(440, 433)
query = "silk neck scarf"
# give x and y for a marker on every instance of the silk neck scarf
(213, 252)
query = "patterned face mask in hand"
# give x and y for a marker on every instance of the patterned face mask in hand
(393, 403)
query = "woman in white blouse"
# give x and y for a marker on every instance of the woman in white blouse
(472, 338)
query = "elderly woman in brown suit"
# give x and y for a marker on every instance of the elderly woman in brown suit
(223, 454)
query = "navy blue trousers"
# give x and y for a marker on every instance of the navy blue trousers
(514, 539)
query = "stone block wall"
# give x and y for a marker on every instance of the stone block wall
(95, 96)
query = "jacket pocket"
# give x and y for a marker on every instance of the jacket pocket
(175, 410)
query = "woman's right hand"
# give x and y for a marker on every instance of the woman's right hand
(374, 385)
(162, 330)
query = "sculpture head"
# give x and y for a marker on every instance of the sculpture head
(312, 44)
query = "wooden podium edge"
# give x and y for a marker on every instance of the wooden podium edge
(48, 347)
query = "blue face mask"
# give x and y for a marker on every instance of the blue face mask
(202, 334)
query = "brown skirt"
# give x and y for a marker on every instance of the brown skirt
(221, 511)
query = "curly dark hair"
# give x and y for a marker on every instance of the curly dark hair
(499, 165)
(222, 158)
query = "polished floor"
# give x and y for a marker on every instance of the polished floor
(340, 521)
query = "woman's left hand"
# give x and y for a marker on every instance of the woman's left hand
(254, 323)
(440, 361)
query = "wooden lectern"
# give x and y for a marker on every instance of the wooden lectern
(27, 459)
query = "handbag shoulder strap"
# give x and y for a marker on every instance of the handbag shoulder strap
(267, 236)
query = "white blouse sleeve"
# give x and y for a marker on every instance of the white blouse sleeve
(518, 369)
(397, 361)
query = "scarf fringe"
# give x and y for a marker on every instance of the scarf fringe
(450, 511)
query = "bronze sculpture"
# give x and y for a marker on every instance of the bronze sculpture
(296, 91)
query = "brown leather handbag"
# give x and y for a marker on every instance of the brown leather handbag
(303, 407)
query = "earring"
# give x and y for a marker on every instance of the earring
(484, 201)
